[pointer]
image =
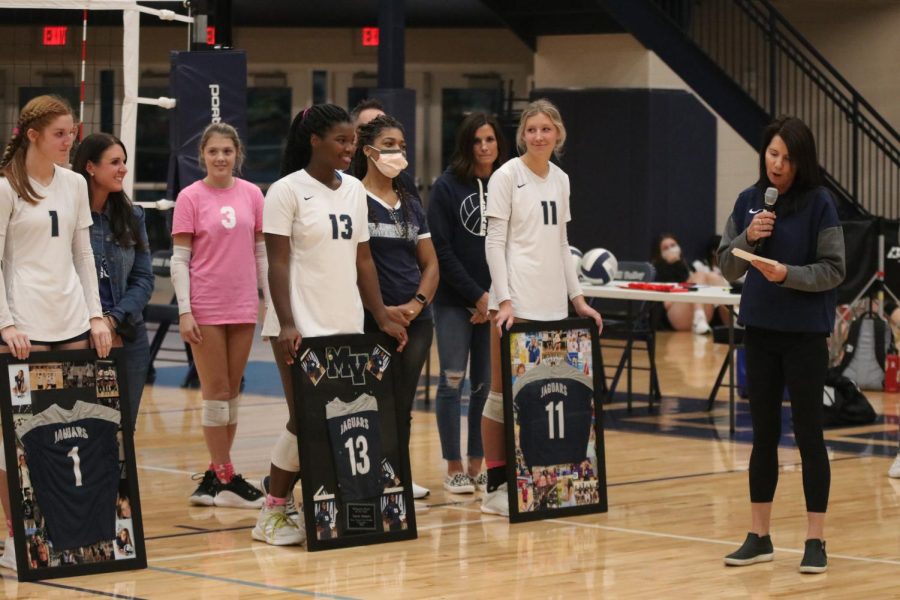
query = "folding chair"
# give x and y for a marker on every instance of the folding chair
(630, 322)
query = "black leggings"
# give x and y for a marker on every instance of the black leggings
(800, 361)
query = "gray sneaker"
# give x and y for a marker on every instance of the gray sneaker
(755, 549)
(481, 481)
(814, 558)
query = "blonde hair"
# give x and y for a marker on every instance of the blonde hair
(225, 130)
(37, 114)
(541, 106)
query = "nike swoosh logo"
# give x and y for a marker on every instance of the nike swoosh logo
(307, 197)
(753, 212)
(518, 185)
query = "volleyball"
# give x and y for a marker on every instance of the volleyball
(599, 266)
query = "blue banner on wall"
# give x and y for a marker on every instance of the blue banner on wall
(208, 87)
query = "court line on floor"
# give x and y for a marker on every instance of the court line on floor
(689, 538)
(73, 588)
(165, 470)
(196, 532)
(782, 467)
(253, 584)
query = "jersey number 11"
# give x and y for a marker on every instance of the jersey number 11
(555, 407)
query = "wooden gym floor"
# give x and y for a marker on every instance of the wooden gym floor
(677, 495)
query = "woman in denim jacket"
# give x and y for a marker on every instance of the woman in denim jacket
(121, 254)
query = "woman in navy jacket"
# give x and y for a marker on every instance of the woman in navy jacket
(788, 310)
(458, 228)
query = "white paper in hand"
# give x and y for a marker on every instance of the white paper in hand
(749, 256)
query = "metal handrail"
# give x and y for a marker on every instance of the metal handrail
(756, 47)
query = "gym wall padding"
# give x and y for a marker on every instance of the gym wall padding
(641, 162)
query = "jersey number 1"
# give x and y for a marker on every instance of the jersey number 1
(76, 464)
(54, 223)
(549, 207)
(362, 447)
(553, 433)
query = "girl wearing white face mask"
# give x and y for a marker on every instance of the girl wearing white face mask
(401, 246)
(671, 267)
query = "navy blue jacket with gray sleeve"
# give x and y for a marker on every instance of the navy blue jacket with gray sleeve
(809, 241)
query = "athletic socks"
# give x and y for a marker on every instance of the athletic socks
(496, 475)
(272, 501)
(224, 472)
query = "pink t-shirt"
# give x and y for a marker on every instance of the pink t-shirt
(223, 251)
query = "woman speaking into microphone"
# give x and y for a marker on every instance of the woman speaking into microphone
(788, 308)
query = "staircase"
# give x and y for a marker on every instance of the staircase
(750, 65)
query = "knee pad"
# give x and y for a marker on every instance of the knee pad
(285, 454)
(215, 413)
(233, 410)
(493, 407)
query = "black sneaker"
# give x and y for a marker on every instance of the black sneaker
(814, 558)
(205, 494)
(237, 493)
(755, 549)
(290, 508)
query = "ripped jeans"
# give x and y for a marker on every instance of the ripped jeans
(460, 343)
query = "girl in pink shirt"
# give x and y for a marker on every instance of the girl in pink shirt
(218, 260)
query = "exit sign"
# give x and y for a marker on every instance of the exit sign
(55, 35)
(369, 36)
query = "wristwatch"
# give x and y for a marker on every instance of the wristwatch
(421, 299)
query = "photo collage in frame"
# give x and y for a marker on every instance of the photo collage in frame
(553, 420)
(70, 465)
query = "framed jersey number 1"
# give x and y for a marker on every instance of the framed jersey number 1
(554, 420)
(70, 465)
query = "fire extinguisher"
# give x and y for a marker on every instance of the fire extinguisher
(892, 372)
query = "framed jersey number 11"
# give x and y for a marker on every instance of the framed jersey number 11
(553, 420)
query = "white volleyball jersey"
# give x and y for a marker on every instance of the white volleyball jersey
(325, 227)
(535, 208)
(46, 300)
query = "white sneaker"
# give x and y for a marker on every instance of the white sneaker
(275, 528)
(701, 326)
(8, 559)
(496, 502)
(419, 492)
(481, 481)
(894, 471)
(459, 483)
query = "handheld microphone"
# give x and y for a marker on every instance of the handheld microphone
(770, 198)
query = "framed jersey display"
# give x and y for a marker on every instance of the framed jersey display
(554, 420)
(355, 475)
(70, 465)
